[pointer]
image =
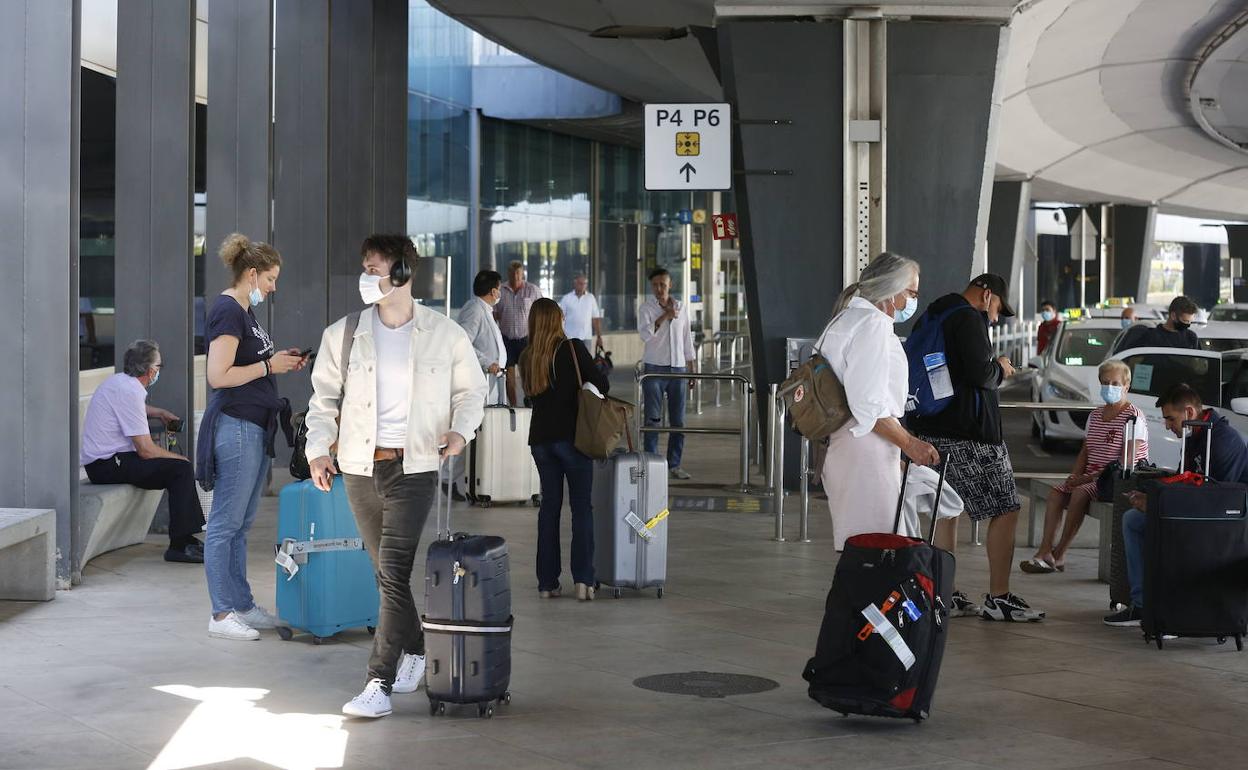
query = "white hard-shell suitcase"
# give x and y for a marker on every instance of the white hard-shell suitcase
(630, 521)
(500, 465)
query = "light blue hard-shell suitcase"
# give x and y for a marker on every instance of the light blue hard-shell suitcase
(325, 580)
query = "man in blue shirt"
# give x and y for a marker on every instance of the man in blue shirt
(1227, 461)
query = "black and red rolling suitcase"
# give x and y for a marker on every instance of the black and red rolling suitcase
(885, 624)
(467, 620)
(1196, 555)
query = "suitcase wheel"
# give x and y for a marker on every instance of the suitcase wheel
(505, 700)
(485, 710)
(1239, 642)
(484, 502)
(1221, 639)
(372, 630)
(1160, 643)
(285, 633)
(436, 708)
(318, 640)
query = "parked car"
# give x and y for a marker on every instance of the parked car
(1221, 381)
(1230, 312)
(1067, 373)
(1218, 336)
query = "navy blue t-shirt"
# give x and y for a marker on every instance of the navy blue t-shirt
(254, 401)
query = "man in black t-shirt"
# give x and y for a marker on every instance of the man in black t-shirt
(1176, 332)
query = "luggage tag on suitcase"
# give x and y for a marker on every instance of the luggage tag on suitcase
(638, 525)
(889, 633)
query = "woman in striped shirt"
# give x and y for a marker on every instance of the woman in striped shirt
(1106, 432)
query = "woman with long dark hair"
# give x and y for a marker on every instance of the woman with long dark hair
(553, 368)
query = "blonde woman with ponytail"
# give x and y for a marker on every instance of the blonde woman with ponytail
(549, 367)
(236, 434)
(862, 469)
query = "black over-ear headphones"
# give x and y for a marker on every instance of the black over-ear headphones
(400, 271)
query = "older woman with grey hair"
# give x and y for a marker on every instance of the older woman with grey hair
(862, 468)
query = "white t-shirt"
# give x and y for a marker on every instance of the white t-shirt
(394, 382)
(578, 316)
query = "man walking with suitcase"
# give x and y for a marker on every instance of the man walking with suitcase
(412, 390)
(1226, 460)
(967, 432)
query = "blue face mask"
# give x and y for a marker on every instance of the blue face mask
(254, 296)
(903, 314)
(1047, 315)
(1111, 394)
(1127, 322)
(154, 378)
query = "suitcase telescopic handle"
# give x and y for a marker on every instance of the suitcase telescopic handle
(901, 498)
(1128, 447)
(1208, 426)
(443, 463)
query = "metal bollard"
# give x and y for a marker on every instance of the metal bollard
(718, 366)
(804, 535)
(745, 438)
(732, 365)
(771, 437)
(778, 473)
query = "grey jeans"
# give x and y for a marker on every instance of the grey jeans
(390, 509)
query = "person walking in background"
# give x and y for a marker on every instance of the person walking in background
(1048, 326)
(1175, 332)
(668, 341)
(512, 314)
(1128, 317)
(862, 467)
(553, 367)
(117, 448)
(413, 392)
(477, 319)
(582, 315)
(1104, 443)
(236, 436)
(967, 433)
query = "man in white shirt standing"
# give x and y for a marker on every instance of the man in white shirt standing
(412, 392)
(582, 316)
(668, 339)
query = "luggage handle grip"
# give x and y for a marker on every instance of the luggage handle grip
(901, 498)
(1208, 426)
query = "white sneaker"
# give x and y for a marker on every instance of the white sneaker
(411, 672)
(259, 617)
(372, 703)
(231, 627)
(680, 473)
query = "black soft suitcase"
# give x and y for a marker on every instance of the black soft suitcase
(467, 620)
(1124, 482)
(1196, 558)
(888, 670)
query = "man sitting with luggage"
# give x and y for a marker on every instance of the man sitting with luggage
(414, 392)
(1227, 461)
(117, 448)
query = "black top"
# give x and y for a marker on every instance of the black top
(974, 414)
(554, 409)
(1228, 461)
(1158, 336)
(254, 401)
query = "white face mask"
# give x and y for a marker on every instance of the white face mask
(370, 289)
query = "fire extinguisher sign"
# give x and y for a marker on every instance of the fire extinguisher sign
(724, 227)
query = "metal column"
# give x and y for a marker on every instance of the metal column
(155, 189)
(39, 55)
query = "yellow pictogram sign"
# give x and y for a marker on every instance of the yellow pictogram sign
(688, 143)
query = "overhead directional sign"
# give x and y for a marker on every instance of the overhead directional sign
(688, 146)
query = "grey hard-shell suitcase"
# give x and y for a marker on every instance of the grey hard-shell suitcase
(467, 620)
(630, 521)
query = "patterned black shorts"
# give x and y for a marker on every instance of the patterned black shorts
(981, 474)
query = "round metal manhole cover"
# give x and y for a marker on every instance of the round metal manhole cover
(706, 684)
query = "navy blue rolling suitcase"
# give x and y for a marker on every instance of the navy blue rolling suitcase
(885, 624)
(467, 620)
(1196, 557)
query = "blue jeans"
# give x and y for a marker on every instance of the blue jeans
(676, 391)
(556, 461)
(1133, 521)
(242, 467)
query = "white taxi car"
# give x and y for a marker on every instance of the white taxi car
(1067, 372)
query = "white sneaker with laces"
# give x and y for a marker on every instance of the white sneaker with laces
(411, 672)
(259, 617)
(680, 473)
(371, 704)
(231, 627)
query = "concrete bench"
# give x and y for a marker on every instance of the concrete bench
(114, 516)
(28, 554)
(1038, 490)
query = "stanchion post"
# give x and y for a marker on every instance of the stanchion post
(804, 535)
(778, 473)
(771, 436)
(745, 437)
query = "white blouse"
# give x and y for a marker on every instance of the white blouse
(867, 357)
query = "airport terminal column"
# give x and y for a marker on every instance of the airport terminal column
(340, 156)
(39, 54)
(155, 188)
(1008, 221)
(1237, 245)
(1131, 231)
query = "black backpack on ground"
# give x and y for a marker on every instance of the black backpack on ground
(884, 669)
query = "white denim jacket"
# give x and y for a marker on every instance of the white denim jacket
(448, 393)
